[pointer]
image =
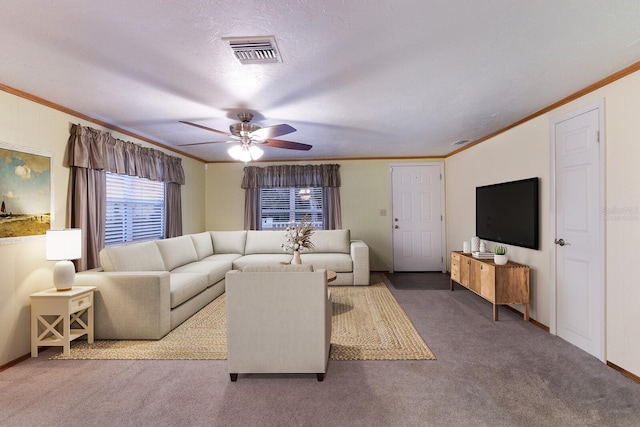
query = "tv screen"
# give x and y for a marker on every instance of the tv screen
(508, 213)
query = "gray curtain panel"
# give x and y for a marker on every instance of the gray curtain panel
(325, 176)
(92, 153)
(172, 209)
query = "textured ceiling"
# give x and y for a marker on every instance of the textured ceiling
(359, 78)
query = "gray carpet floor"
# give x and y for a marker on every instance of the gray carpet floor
(505, 373)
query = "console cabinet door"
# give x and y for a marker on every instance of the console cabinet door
(465, 268)
(475, 271)
(488, 282)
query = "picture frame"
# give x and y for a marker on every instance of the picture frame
(26, 192)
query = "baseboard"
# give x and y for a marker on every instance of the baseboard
(531, 319)
(624, 372)
(15, 362)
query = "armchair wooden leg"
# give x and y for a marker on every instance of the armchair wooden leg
(320, 377)
(234, 377)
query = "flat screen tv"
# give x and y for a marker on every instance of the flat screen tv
(508, 213)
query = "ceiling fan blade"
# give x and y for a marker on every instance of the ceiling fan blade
(289, 145)
(203, 143)
(272, 131)
(206, 128)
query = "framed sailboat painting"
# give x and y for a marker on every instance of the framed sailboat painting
(25, 190)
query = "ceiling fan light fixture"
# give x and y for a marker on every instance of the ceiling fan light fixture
(235, 152)
(245, 153)
(256, 152)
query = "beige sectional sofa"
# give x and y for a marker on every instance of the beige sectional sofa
(147, 289)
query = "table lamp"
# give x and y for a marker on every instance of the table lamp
(63, 246)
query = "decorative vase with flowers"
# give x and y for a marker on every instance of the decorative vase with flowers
(298, 237)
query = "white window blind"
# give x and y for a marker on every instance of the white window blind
(280, 205)
(135, 209)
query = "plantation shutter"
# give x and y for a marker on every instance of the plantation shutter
(281, 205)
(135, 209)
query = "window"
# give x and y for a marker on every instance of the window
(280, 205)
(135, 209)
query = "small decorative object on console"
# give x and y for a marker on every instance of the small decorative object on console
(482, 255)
(298, 238)
(500, 255)
(475, 244)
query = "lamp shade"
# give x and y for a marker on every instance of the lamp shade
(64, 244)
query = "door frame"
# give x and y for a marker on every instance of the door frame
(599, 105)
(443, 240)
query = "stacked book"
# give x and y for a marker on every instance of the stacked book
(482, 255)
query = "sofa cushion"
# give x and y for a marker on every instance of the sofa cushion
(331, 241)
(264, 242)
(215, 270)
(246, 260)
(203, 244)
(184, 286)
(228, 242)
(143, 256)
(270, 268)
(340, 263)
(177, 251)
(222, 257)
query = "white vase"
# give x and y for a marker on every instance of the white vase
(475, 244)
(296, 258)
(500, 259)
(466, 247)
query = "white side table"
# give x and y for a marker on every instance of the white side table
(56, 317)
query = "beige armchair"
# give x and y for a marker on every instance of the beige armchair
(278, 320)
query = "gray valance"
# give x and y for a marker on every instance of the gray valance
(291, 176)
(95, 149)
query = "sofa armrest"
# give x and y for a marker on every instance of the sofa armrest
(129, 305)
(360, 256)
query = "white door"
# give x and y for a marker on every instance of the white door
(417, 218)
(578, 232)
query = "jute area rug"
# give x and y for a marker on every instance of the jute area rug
(367, 324)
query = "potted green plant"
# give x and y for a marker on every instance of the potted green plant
(500, 254)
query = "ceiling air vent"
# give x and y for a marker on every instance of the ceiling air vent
(460, 142)
(254, 50)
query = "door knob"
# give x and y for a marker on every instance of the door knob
(396, 226)
(560, 242)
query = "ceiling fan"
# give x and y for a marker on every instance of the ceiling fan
(250, 136)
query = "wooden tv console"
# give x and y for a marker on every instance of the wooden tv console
(498, 284)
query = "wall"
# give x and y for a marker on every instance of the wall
(365, 190)
(22, 263)
(516, 154)
(523, 152)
